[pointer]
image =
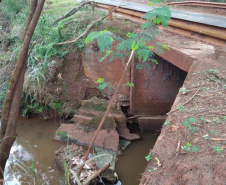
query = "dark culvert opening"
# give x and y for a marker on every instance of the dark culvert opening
(156, 87)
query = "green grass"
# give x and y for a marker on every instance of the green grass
(57, 8)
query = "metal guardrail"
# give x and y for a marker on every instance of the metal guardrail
(209, 33)
(199, 3)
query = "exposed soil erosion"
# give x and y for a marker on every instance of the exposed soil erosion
(69, 84)
(73, 78)
(191, 147)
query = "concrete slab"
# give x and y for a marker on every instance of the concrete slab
(106, 139)
(151, 122)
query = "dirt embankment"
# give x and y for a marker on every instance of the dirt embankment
(191, 147)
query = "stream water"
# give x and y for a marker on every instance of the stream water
(132, 163)
(35, 144)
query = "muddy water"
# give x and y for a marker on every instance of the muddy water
(132, 163)
(34, 143)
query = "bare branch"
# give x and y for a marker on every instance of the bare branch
(73, 11)
(96, 174)
(87, 29)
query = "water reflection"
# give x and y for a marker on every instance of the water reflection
(131, 164)
(34, 143)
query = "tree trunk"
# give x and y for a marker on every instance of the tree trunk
(14, 93)
(19, 65)
(10, 134)
(32, 9)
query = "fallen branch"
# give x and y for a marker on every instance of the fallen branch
(73, 11)
(87, 29)
(186, 101)
(108, 108)
(221, 112)
(218, 139)
(96, 174)
(178, 147)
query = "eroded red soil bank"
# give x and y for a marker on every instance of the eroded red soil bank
(191, 147)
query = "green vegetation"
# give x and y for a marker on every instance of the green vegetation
(133, 43)
(189, 123)
(56, 105)
(102, 84)
(46, 36)
(212, 71)
(213, 132)
(63, 135)
(183, 90)
(130, 84)
(166, 123)
(148, 157)
(31, 108)
(30, 171)
(188, 147)
(181, 108)
(203, 119)
(224, 119)
(218, 149)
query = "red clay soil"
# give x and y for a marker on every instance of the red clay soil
(197, 119)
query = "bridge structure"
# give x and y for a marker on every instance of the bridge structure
(189, 35)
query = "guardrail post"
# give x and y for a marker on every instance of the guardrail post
(93, 5)
(110, 15)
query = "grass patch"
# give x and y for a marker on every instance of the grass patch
(57, 8)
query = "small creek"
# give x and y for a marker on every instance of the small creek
(132, 163)
(35, 143)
